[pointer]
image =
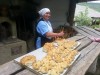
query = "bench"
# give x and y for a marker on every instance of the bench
(89, 53)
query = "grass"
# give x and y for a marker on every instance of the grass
(95, 26)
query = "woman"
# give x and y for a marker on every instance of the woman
(44, 29)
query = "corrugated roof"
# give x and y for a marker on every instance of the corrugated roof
(85, 0)
(91, 12)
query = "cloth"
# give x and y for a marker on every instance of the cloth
(42, 28)
(95, 39)
(38, 42)
(43, 11)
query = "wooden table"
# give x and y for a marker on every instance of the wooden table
(89, 52)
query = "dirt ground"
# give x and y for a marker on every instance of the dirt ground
(98, 68)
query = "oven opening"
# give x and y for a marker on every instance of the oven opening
(5, 31)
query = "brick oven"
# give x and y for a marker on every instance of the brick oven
(7, 29)
(10, 46)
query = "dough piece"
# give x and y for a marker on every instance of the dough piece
(58, 68)
(53, 72)
(57, 58)
(28, 60)
(37, 65)
(48, 47)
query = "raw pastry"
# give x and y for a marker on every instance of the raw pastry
(37, 65)
(28, 60)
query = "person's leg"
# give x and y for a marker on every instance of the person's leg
(93, 39)
(97, 39)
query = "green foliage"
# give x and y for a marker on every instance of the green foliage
(98, 20)
(95, 26)
(82, 18)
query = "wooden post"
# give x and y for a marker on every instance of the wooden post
(71, 12)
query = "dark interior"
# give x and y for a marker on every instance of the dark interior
(24, 14)
(5, 31)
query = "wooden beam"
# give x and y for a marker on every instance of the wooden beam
(72, 6)
(82, 65)
(9, 68)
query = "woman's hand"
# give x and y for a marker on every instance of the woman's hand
(55, 35)
(61, 34)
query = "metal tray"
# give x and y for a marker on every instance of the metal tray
(39, 55)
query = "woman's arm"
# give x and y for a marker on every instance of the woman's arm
(52, 34)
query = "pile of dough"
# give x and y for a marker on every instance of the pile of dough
(71, 44)
(45, 68)
(58, 57)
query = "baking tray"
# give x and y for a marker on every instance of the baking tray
(39, 55)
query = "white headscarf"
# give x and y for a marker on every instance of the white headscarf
(43, 11)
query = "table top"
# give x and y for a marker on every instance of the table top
(87, 49)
